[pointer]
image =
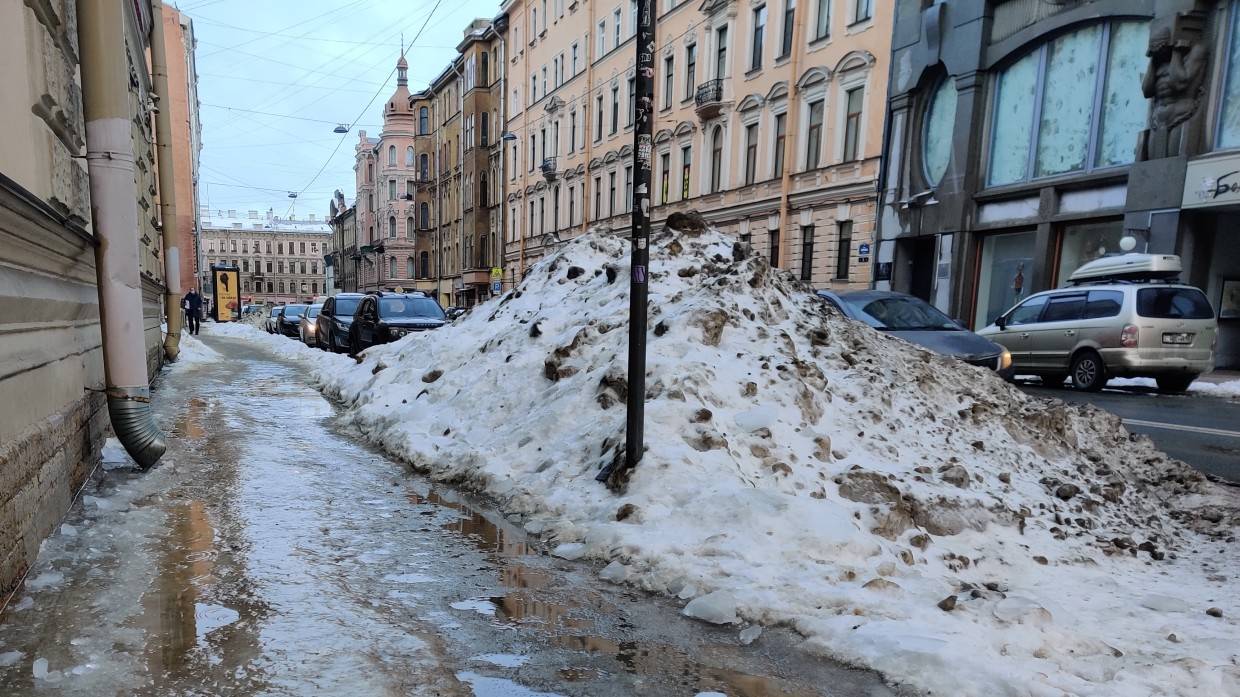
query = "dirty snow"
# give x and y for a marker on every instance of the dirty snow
(902, 511)
(1227, 389)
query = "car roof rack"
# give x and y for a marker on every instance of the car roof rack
(1128, 268)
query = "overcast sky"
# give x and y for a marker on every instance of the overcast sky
(321, 61)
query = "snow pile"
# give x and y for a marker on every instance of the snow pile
(1227, 389)
(194, 352)
(903, 511)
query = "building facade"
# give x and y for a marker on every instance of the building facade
(52, 407)
(768, 122)
(1027, 137)
(344, 258)
(281, 259)
(182, 101)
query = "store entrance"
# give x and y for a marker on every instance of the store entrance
(918, 257)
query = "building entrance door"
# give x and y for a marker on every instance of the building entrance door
(917, 258)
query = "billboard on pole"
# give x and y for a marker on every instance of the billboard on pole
(226, 300)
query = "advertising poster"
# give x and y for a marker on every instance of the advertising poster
(227, 300)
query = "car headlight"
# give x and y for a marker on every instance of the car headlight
(1005, 360)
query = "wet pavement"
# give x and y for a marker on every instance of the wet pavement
(272, 554)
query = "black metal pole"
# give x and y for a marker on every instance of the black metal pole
(634, 435)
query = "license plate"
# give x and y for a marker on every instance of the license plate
(1179, 339)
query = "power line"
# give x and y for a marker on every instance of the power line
(291, 26)
(266, 113)
(323, 39)
(366, 108)
(282, 82)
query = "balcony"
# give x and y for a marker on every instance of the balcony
(548, 168)
(709, 99)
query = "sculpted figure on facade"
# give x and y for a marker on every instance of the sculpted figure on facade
(1175, 84)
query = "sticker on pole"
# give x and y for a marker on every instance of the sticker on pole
(639, 274)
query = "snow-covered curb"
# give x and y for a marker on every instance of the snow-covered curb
(1224, 390)
(902, 511)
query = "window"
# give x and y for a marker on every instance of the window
(391, 189)
(615, 109)
(484, 192)
(424, 167)
(392, 155)
(807, 253)
(611, 193)
(485, 130)
(1064, 308)
(628, 119)
(572, 131)
(669, 64)
(862, 10)
(721, 52)
(598, 196)
(601, 39)
(813, 139)
(822, 20)
(409, 260)
(555, 207)
(486, 80)
(686, 166)
(270, 287)
(533, 150)
(1028, 312)
(533, 88)
(598, 121)
(843, 249)
(716, 159)
(751, 152)
(392, 267)
(572, 205)
(544, 81)
(269, 266)
(616, 19)
(854, 101)
(409, 227)
(302, 247)
(245, 265)
(759, 32)
(628, 189)
(1046, 104)
(392, 227)
(1103, 303)
(424, 260)
(940, 121)
(409, 156)
(781, 140)
(424, 215)
(632, 17)
(665, 169)
(785, 39)
(314, 267)
(690, 71)
(279, 248)
(1173, 303)
(281, 287)
(773, 247)
(574, 51)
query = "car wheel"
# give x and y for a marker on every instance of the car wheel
(1175, 384)
(1089, 373)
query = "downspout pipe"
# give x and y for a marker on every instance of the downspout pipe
(114, 215)
(167, 184)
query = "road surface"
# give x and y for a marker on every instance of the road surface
(271, 554)
(1202, 431)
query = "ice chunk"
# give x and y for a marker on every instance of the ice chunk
(570, 550)
(39, 669)
(614, 572)
(749, 635)
(717, 608)
(114, 456)
(687, 592)
(1164, 603)
(8, 658)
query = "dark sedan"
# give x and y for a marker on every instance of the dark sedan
(334, 321)
(289, 321)
(918, 322)
(386, 317)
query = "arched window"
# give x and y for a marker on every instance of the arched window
(409, 156)
(392, 267)
(409, 267)
(424, 215)
(483, 192)
(424, 262)
(314, 287)
(424, 167)
(281, 287)
(409, 227)
(270, 287)
(716, 159)
(936, 137)
(392, 155)
(392, 226)
(423, 121)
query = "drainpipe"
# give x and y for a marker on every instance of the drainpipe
(110, 163)
(794, 95)
(167, 183)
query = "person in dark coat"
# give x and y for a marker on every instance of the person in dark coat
(192, 304)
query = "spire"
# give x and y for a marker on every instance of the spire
(402, 67)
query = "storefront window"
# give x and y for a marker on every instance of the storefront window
(1044, 104)
(1007, 265)
(937, 139)
(1229, 118)
(1085, 243)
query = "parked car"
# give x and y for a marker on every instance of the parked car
(1124, 316)
(290, 320)
(384, 317)
(273, 319)
(334, 320)
(918, 322)
(307, 327)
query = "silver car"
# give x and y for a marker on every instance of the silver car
(1091, 333)
(308, 327)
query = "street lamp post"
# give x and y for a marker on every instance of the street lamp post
(634, 432)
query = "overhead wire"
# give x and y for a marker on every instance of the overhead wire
(321, 15)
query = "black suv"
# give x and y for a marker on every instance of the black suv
(288, 322)
(332, 332)
(385, 317)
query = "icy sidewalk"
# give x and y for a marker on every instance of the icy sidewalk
(902, 511)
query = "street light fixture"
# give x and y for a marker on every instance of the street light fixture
(341, 128)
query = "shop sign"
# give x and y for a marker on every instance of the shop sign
(1212, 182)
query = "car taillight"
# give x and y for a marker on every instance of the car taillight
(1129, 337)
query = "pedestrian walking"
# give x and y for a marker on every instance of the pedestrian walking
(192, 304)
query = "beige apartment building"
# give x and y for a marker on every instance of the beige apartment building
(735, 84)
(281, 260)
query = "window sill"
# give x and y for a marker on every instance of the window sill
(859, 26)
(819, 42)
(753, 72)
(782, 60)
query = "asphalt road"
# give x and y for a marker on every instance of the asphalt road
(1202, 431)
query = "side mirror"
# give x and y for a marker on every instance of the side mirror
(1001, 323)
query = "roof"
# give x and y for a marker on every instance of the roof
(219, 219)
